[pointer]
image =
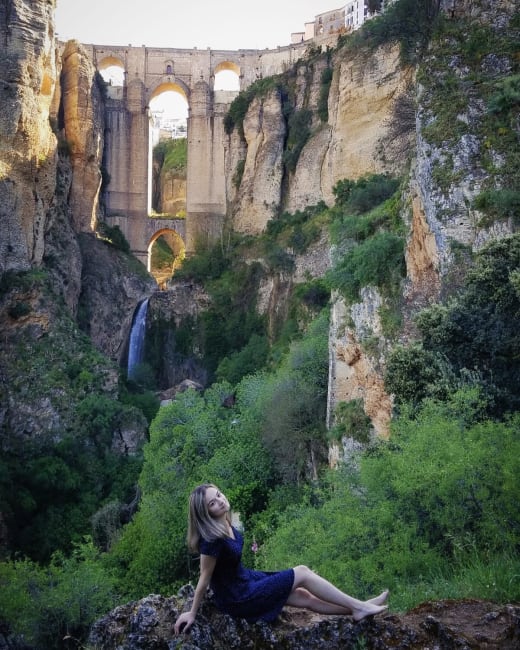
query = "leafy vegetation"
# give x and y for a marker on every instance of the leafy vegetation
(407, 22)
(323, 101)
(432, 513)
(366, 229)
(113, 235)
(237, 111)
(51, 606)
(436, 503)
(172, 155)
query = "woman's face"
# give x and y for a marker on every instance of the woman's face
(216, 502)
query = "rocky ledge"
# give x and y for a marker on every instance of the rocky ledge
(147, 624)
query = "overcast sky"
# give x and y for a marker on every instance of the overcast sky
(228, 24)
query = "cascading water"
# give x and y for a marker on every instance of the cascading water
(136, 343)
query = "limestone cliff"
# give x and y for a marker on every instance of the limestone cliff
(172, 192)
(83, 123)
(361, 99)
(27, 142)
(51, 127)
(369, 131)
(260, 192)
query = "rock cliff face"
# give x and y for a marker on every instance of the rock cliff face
(83, 122)
(357, 139)
(260, 192)
(173, 193)
(108, 300)
(361, 98)
(27, 143)
(51, 127)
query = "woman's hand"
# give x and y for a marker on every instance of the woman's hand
(184, 622)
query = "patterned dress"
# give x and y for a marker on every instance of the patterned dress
(241, 592)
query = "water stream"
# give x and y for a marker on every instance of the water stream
(136, 343)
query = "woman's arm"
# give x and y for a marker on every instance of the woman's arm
(186, 620)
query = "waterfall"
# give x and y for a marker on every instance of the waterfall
(136, 343)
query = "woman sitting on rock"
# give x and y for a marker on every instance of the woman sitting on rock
(254, 595)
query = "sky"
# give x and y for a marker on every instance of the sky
(228, 24)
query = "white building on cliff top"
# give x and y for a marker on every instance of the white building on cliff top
(347, 18)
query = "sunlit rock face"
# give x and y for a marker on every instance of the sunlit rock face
(355, 368)
(260, 191)
(361, 98)
(27, 142)
(83, 115)
(173, 193)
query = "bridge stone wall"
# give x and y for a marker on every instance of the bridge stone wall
(148, 72)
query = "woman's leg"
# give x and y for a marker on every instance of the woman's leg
(331, 599)
(300, 597)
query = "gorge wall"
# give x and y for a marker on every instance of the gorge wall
(363, 135)
(52, 147)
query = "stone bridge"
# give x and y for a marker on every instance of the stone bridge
(148, 72)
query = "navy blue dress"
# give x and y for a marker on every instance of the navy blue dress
(241, 592)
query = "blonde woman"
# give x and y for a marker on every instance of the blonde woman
(249, 594)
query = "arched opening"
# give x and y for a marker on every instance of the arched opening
(227, 76)
(168, 154)
(112, 70)
(166, 253)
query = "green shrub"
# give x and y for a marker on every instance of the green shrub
(499, 204)
(351, 421)
(195, 439)
(313, 294)
(407, 22)
(411, 374)
(239, 172)
(365, 193)
(114, 236)
(376, 261)
(248, 360)
(298, 133)
(438, 499)
(208, 263)
(477, 333)
(323, 101)
(54, 605)
(507, 95)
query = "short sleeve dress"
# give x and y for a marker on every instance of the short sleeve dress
(241, 592)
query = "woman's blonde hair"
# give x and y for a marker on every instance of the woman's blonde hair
(200, 522)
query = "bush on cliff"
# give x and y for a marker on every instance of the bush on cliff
(437, 499)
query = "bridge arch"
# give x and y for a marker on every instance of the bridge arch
(109, 61)
(112, 69)
(227, 76)
(167, 260)
(163, 85)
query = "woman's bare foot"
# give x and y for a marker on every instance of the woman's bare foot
(381, 599)
(368, 609)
